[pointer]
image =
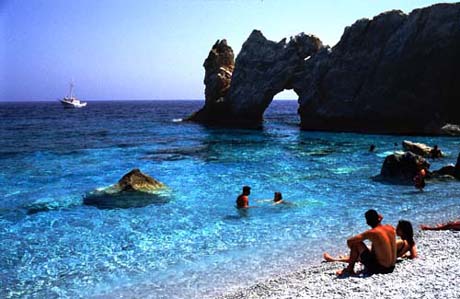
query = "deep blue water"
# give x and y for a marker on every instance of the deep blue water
(196, 245)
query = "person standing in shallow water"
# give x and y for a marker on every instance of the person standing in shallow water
(242, 200)
(419, 179)
(381, 258)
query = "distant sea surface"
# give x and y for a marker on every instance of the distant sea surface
(197, 245)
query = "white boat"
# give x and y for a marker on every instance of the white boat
(71, 101)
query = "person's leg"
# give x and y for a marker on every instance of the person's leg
(330, 258)
(355, 252)
(426, 227)
(454, 225)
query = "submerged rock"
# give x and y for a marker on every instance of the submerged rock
(41, 207)
(401, 167)
(135, 189)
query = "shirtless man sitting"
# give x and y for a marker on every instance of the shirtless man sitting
(381, 258)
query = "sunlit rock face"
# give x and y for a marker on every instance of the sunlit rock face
(218, 67)
(420, 149)
(395, 73)
(135, 189)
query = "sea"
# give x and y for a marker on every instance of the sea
(197, 244)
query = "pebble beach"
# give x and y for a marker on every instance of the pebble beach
(434, 274)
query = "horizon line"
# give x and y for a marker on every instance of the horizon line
(99, 100)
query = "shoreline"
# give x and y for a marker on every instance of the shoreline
(432, 275)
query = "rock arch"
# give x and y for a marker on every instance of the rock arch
(393, 74)
(262, 69)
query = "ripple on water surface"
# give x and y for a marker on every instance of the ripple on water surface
(198, 243)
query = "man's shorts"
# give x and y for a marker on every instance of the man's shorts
(369, 260)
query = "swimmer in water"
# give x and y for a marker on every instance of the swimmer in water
(278, 198)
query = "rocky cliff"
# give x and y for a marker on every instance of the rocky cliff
(218, 74)
(396, 73)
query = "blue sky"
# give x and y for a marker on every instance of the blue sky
(131, 50)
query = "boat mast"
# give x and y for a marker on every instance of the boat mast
(71, 90)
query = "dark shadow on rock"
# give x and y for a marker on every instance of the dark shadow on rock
(123, 200)
(134, 190)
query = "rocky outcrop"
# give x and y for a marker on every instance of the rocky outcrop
(422, 149)
(447, 172)
(450, 129)
(134, 189)
(218, 75)
(396, 73)
(417, 148)
(135, 180)
(262, 69)
(401, 168)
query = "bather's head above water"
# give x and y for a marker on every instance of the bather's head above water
(278, 197)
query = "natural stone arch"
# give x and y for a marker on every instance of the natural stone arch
(262, 69)
(395, 73)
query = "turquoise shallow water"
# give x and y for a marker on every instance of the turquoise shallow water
(197, 245)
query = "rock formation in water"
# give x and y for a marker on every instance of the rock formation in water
(401, 167)
(218, 74)
(422, 149)
(134, 189)
(262, 69)
(447, 172)
(135, 180)
(396, 73)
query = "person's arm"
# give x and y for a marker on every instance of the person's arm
(358, 238)
(402, 248)
(413, 252)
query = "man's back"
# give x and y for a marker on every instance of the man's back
(383, 238)
(242, 201)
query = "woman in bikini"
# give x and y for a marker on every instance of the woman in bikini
(405, 247)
